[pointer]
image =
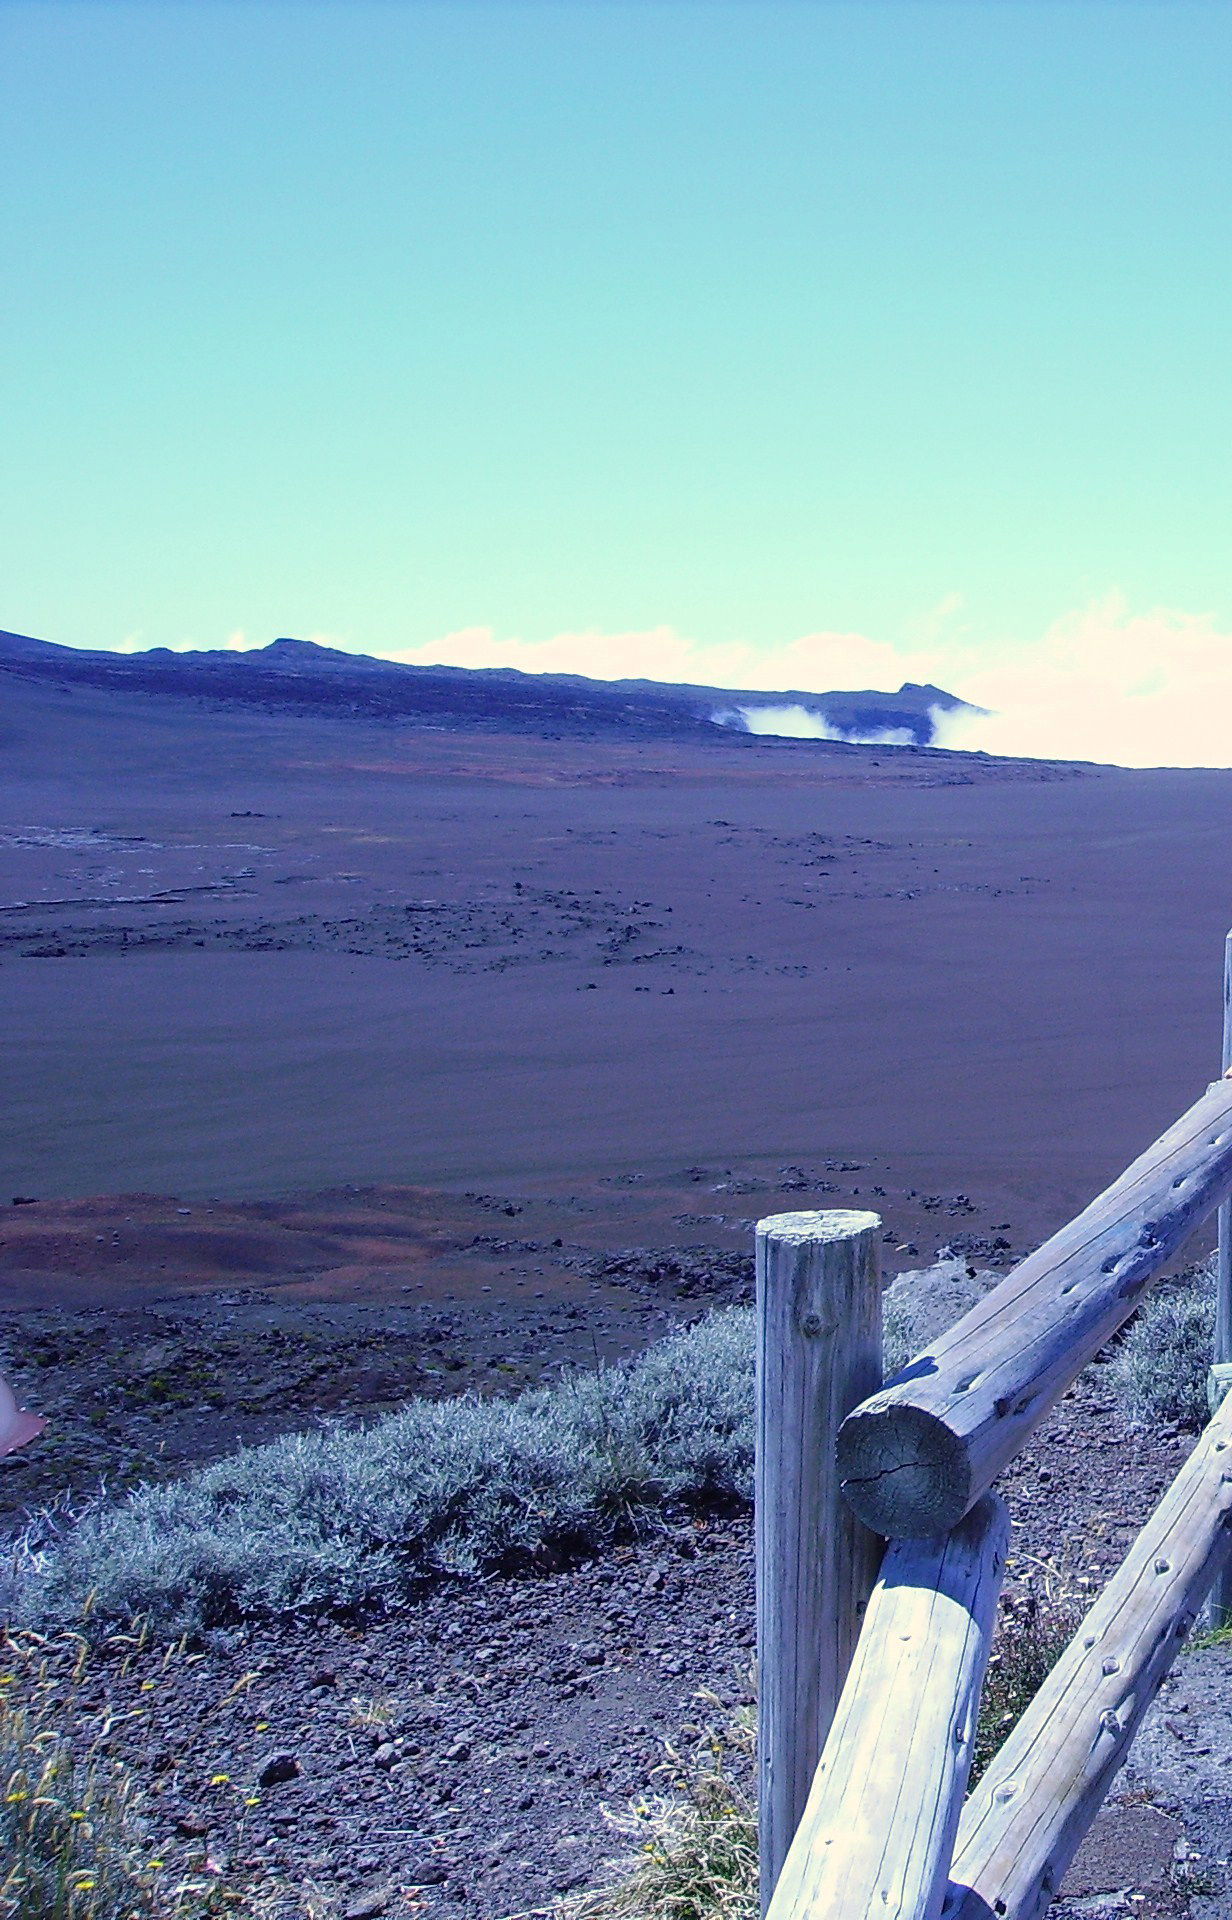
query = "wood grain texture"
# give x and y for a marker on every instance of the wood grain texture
(916, 1456)
(1023, 1823)
(878, 1830)
(1220, 1606)
(818, 1353)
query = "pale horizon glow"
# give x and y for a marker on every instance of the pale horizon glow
(1102, 683)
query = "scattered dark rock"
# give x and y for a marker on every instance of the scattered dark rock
(366, 1906)
(689, 1273)
(424, 1871)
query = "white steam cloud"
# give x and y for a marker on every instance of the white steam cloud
(795, 722)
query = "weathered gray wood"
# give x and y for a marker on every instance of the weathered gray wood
(916, 1456)
(818, 1353)
(1221, 1592)
(878, 1830)
(1023, 1823)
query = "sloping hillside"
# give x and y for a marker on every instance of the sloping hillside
(300, 675)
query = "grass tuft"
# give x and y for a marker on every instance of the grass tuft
(73, 1843)
(693, 1848)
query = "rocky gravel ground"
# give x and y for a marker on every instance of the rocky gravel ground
(466, 1756)
(460, 1756)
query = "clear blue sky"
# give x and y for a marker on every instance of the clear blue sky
(744, 320)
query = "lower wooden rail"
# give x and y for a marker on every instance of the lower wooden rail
(878, 1828)
(1023, 1824)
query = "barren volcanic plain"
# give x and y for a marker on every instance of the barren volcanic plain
(512, 1036)
(247, 955)
(349, 1057)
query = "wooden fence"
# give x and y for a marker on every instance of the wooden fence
(881, 1547)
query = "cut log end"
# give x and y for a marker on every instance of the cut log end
(903, 1472)
(817, 1229)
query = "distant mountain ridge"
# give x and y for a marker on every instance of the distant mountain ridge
(291, 674)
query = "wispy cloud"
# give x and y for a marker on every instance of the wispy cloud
(1140, 690)
(823, 661)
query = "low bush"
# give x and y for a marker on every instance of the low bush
(347, 1518)
(1159, 1370)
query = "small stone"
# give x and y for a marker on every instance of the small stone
(385, 1755)
(192, 1824)
(460, 1750)
(425, 1871)
(280, 1768)
(368, 1905)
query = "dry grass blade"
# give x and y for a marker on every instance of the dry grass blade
(71, 1834)
(1033, 1631)
(693, 1848)
(74, 1841)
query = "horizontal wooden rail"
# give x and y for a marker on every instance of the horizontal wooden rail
(878, 1829)
(1023, 1823)
(914, 1458)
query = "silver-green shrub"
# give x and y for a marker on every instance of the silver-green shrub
(1159, 1370)
(364, 1517)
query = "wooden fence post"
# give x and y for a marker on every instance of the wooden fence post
(1220, 1608)
(818, 1356)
